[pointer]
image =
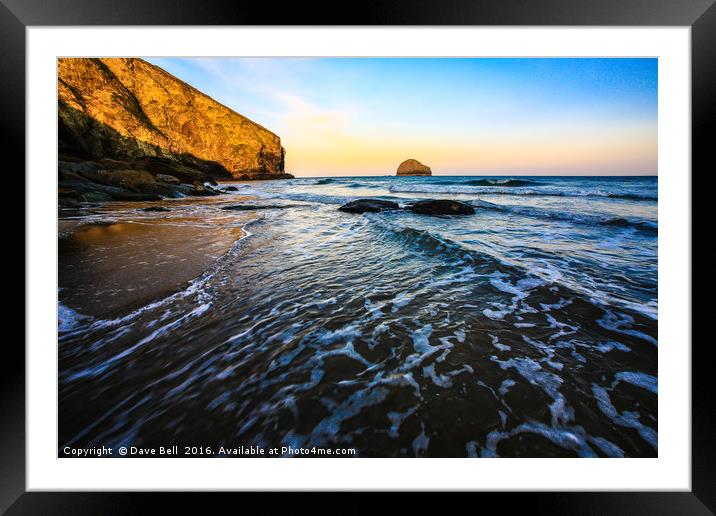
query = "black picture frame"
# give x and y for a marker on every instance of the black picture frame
(17, 15)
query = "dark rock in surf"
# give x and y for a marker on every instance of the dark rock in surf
(254, 207)
(369, 206)
(502, 182)
(231, 189)
(156, 208)
(442, 207)
(203, 190)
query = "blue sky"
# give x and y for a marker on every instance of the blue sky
(346, 116)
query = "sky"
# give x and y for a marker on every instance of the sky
(481, 116)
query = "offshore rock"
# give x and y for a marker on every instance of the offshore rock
(412, 167)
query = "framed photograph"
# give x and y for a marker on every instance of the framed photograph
(442, 249)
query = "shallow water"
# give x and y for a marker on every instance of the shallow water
(528, 329)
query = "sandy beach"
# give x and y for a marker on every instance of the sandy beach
(119, 257)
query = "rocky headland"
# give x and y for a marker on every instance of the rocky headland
(128, 130)
(412, 167)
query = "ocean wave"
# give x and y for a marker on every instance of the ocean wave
(502, 182)
(469, 263)
(301, 196)
(426, 241)
(343, 182)
(506, 276)
(645, 225)
(503, 190)
(577, 218)
(362, 185)
(319, 198)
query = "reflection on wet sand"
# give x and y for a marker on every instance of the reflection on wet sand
(107, 267)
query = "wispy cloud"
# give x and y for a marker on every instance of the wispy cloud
(363, 116)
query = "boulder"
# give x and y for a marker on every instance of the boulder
(442, 207)
(177, 194)
(95, 197)
(412, 167)
(166, 178)
(203, 190)
(132, 196)
(162, 189)
(181, 190)
(68, 175)
(185, 171)
(368, 205)
(130, 179)
(76, 188)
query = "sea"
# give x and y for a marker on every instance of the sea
(529, 329)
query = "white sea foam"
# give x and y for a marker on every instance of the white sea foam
(566, 216)
(627, 419)
(396, 419)
(374, 309)
(616, 321)
(420, 443)
(496, 343)
(329, 427)
(570, 438)
(401, 300)
(496, 315)
(379, 330)
(105, 365)
(643, 380)
(69, 319)
(505, 386)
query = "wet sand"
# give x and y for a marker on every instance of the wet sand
(112, 267)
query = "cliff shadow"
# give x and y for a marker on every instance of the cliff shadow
(83, 138)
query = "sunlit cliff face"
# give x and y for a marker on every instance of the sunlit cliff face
(137, 109)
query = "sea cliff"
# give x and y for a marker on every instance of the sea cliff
(125, 114)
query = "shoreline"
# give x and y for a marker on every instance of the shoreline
(116, 259)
